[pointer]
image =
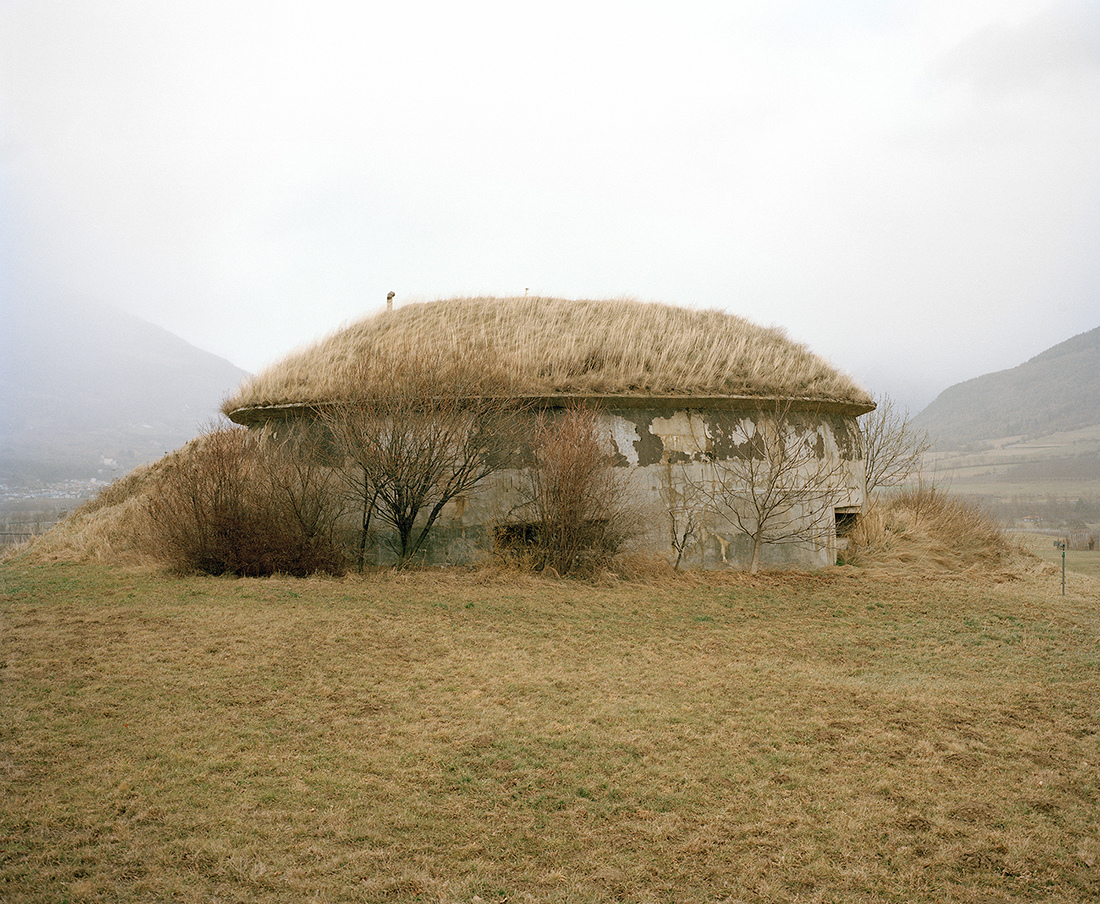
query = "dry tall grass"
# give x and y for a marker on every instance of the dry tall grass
(229, 500)
(110, 528)
(926, 530)
(550, 346)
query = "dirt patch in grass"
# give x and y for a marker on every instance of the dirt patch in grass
(421, 737)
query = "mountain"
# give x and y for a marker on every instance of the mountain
(87, 390)
(1056, 391)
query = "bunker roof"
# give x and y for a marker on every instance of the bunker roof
(555, 348)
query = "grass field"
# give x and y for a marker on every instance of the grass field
(484, 737)
(1078, 561)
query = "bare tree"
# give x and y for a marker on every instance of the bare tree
(420, 434)
(892, 449)
(684, 505)
(356, 474)
(781, 484)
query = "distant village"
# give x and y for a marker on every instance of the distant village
(26, 511)
(76, 489)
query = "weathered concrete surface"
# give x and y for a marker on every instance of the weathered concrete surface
(678, 459)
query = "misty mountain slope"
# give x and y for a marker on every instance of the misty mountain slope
(82, 382)
(1057, 390)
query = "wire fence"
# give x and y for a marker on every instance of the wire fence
(15, 532)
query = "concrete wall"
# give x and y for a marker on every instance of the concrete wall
(682, 466)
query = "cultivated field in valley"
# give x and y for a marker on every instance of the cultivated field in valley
(1050, 478)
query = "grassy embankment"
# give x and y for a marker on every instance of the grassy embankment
(829, 737)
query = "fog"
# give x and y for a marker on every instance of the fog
(910, 188)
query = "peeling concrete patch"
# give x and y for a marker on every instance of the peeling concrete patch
(625, 436)
(683, 433)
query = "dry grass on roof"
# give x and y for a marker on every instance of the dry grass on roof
(549, 346)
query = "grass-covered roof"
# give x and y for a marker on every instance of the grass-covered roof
(536, 347)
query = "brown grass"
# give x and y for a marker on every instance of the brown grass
(550, 346)
(927, 530)
(497, 737)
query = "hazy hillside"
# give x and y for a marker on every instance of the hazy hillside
(1056, 391)
(81, 383)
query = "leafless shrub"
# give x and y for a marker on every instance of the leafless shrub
(892, 449)
(577, 498)
(684, 504)
(245, 503)
(425, 432)
(299, 480)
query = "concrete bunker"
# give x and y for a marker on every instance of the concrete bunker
(690, 403)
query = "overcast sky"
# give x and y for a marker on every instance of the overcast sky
(910, 188)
